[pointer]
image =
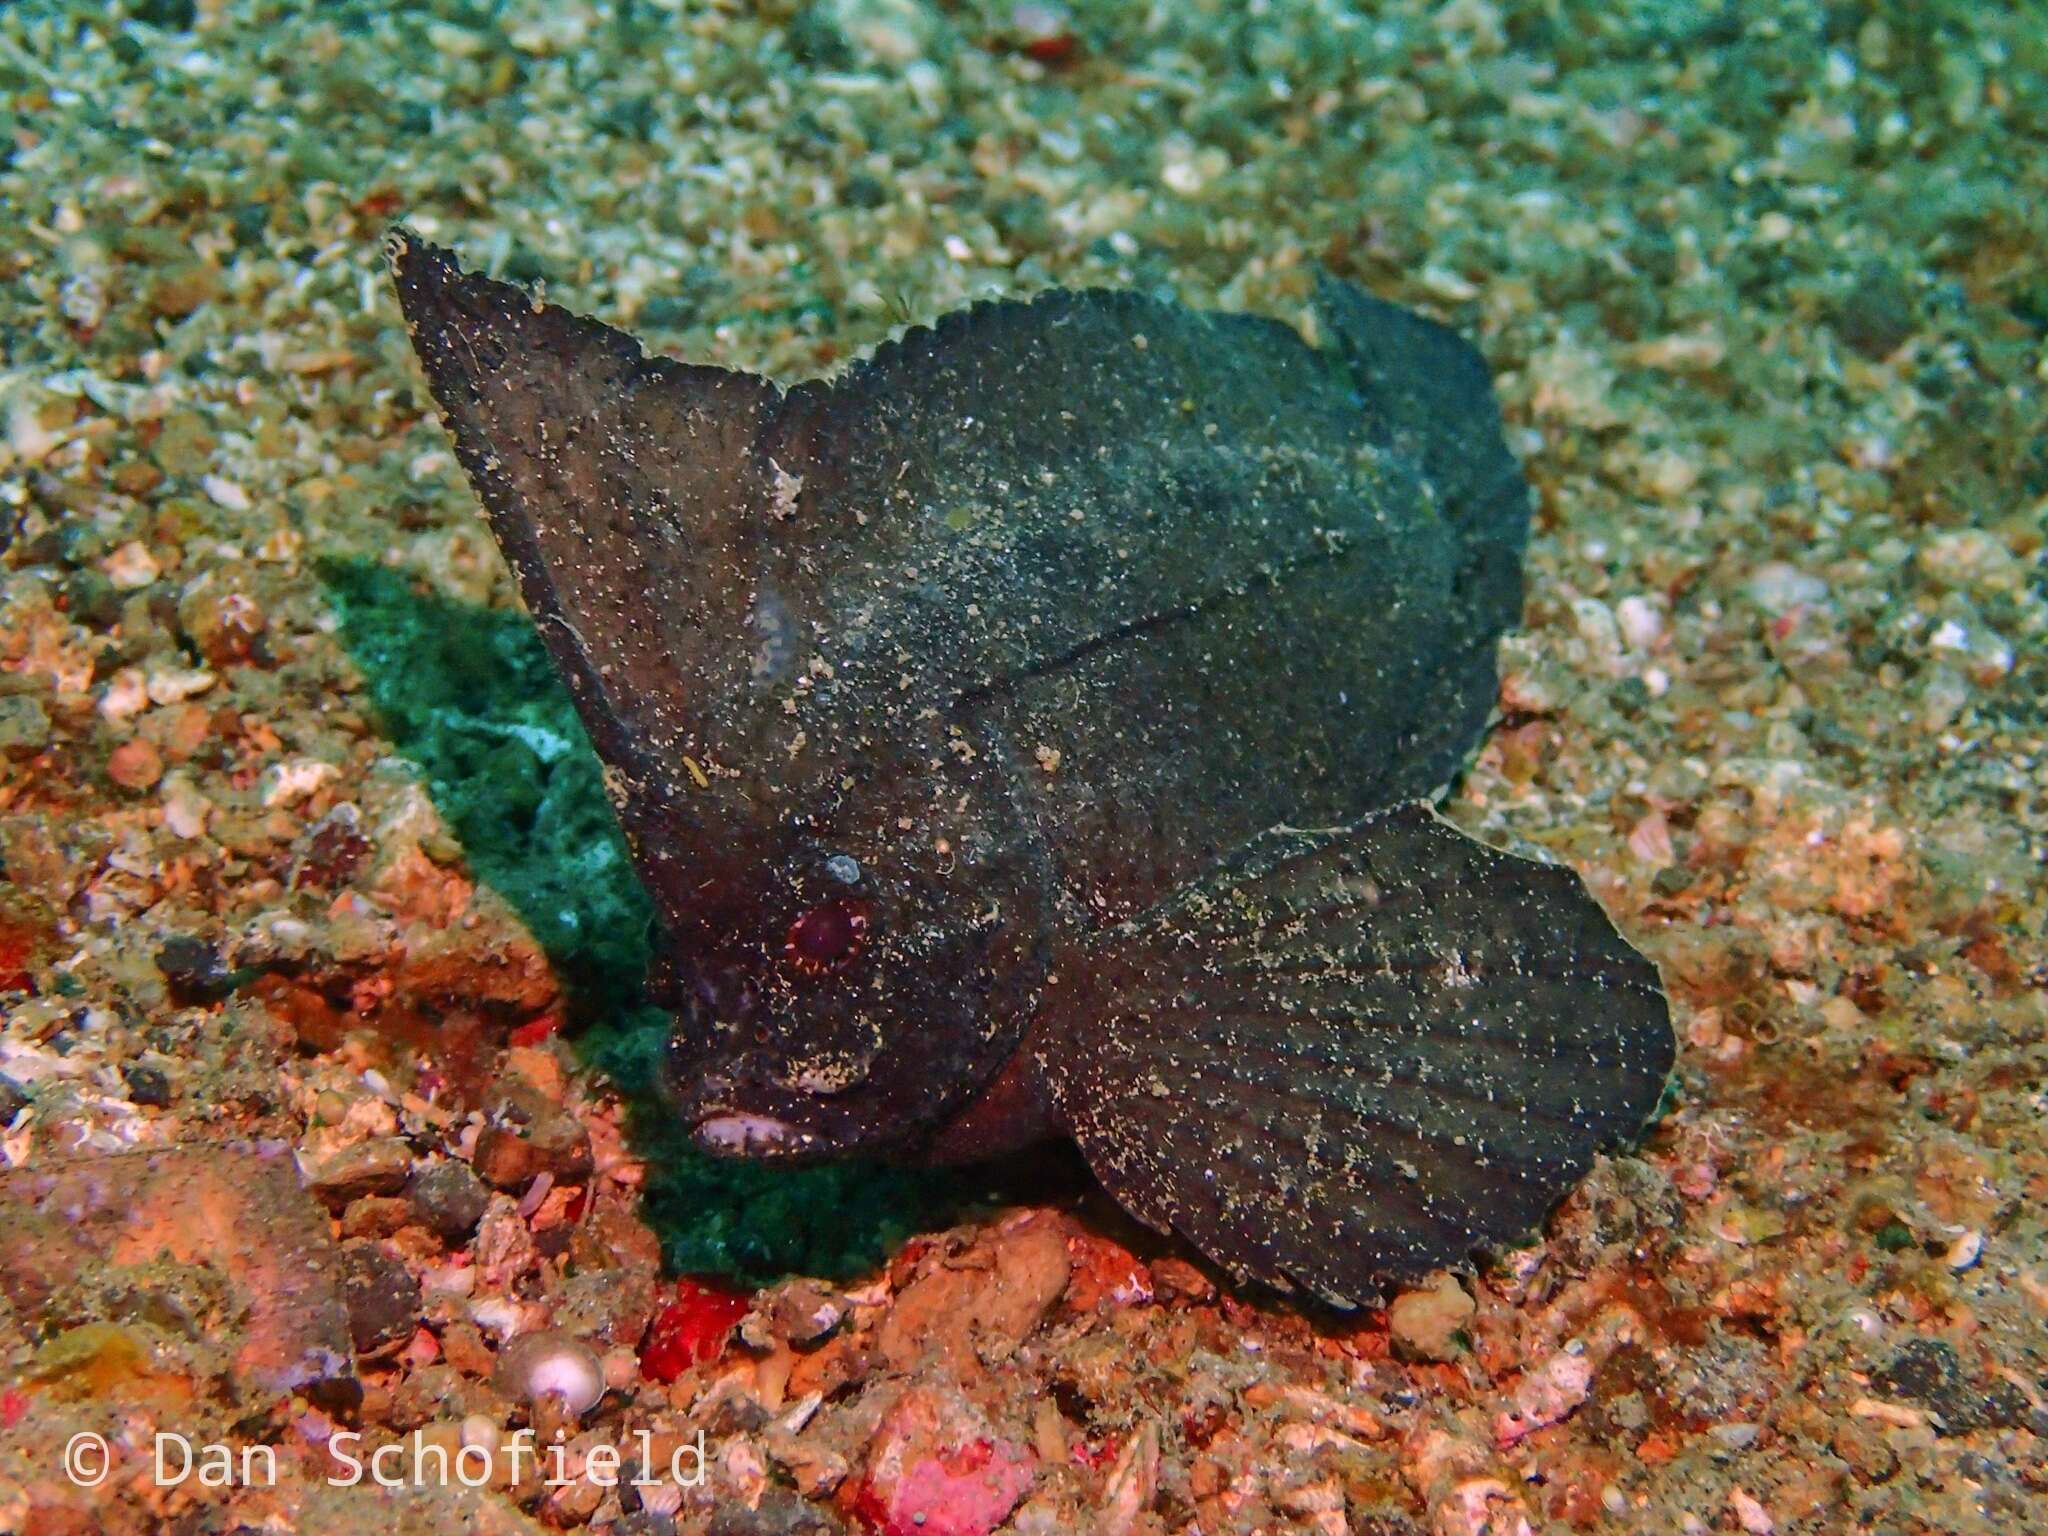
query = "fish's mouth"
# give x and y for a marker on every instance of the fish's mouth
(736, 1135)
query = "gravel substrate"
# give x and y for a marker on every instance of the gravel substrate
(305, 869)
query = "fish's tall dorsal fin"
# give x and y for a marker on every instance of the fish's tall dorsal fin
(1025, 480)
(624, 490)
(1354, 1056)
(1004, 386)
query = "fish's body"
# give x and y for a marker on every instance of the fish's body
(961, 713)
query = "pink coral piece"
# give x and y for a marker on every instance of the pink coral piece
(923, 1480)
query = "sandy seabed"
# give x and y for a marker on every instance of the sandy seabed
(320, 1064)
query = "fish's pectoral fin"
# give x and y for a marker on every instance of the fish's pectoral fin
(1352, 1056)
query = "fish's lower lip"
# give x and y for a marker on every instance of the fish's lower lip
(741, 1134)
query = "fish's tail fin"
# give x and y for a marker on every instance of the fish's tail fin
(1352, 1056)
(1429, 396)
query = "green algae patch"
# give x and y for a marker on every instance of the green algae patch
(467, 694)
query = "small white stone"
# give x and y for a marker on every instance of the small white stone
(449, 1280)
(174, 685)
(288, 783)
(1774, 229)
(126, 695)
(130, 567)
(1449, 286)
(1188, 170)
(185, 808)
(223, 492)
(1778, 588)
(1965, 1251)
(499, 1316)
(28, 439)
(1751, 1515)
(1641, 619)
(453, 41)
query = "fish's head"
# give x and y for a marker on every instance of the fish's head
(829, 1002)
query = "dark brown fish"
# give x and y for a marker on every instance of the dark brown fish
(1029, 733)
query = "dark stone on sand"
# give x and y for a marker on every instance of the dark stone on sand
(865, 192)
(1929, 1373)
(1877, 315)
(383, 1297)
(449, 1198)
(193, 971)
(511, 1159)
(780, 1513)
(147, 1086)
(375, 1167)
(24, 727)
(90, 599)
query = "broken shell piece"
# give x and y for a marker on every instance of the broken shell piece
(550, 1364)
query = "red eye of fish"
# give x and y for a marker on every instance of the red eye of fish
(826, 937)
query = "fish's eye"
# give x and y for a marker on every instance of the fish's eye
(826, 938)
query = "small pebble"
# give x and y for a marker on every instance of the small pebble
(174, 685)
(193, 971)
(135, 764)
(449, 1198)
(147, 1086)
(186, 810)
(224, 493)
(375, 1167)
(1970, 559)
(1778, 588)
(382, 1295)
(24, 727)
(1864, 1448)
(1641, 620)
(126, 695)
(1751, 1515)
(1877, 317)
(1427, 1324)
(130, 567)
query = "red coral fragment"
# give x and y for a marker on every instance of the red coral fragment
(691, 1330)
(20, 939)
(1058, 48)
(534, 1031)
